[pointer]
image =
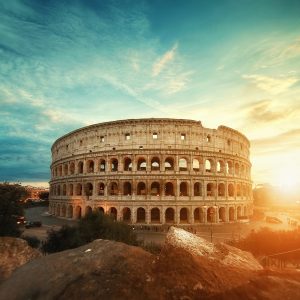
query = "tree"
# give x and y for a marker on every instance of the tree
(93, 226)
(10, 208)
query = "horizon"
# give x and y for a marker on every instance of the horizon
(68, 65)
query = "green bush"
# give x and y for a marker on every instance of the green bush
(93, 226)
(10, 208)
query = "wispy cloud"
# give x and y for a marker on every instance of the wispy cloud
(264, 111)
(272, 85)
(161, 63)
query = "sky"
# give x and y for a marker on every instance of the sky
(68, 64)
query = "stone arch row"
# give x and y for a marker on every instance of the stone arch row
(127, 164)
(156, 215)
(155, 188)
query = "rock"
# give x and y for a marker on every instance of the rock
(188, 267)
(99, 270)
(199, 247)
(14, 253)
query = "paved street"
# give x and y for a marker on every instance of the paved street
(220, 232)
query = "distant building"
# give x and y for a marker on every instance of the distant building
(34, 192)
(152, 171)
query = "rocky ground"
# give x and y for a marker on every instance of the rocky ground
(188, 267)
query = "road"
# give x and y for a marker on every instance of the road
(220, 232)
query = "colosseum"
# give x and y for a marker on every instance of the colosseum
(152, 172)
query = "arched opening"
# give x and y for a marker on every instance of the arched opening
(231, 214)
(101, 189)
(208, 138)
(196, 165)
(140, 215)
(78, 212)
(210, 190)
(238, 190)
(155, 189)
(169, 164)
(66, 169)
(220, 166)
(88, 210)
(155, 215)
(90, 166)
(113, 213)
(237, 169)
(242, 170)
(183, 215)
(58, 190)
(170, 215)
(127, 189)
(183, 189)
(89, 189)
(222, 214)
(71, 188)
(114, 189)
(208, 165)
(221, 189)
(102, 165)
(169, 189)
(79, 189)
(230, 190)
(126, 212)
(70, 212)
(197, 215)
(72, 168)
(80, 167)
(60, 170)
(141, 188)
(229, 167)
(63, 211)
(197, 189)
(142, 165)
(127, 164)
(100, 210)
(114, 165)
(182, 164)
(155, 164)
(64, 190)
(211, 215)
(239, 212)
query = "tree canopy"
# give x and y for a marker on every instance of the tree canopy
(10, 208)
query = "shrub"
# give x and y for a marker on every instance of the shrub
(94, 226)
(32, 241)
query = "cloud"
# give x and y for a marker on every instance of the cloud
(272, 85)
(262, 111)
(163, 61)
(281, 143)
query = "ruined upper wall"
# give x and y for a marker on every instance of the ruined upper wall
(150, 134)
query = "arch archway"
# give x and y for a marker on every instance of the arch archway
(155, 215)
(78, 212)
(113, 213)
(141, 188)
(169, 189)
(155, 164)
(126, 213)
(183, 215)
(183, 189)
(222, 214)
(140, 215)
(127, 188)
(169, 164)
(170, 215)
(155, 188)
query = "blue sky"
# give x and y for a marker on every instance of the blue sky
(67, 64)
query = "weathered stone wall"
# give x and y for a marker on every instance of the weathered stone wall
(152, 171)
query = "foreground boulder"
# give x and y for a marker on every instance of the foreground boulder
(14, 253)
(188, 267)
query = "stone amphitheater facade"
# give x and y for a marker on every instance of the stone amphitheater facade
(152, 171)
